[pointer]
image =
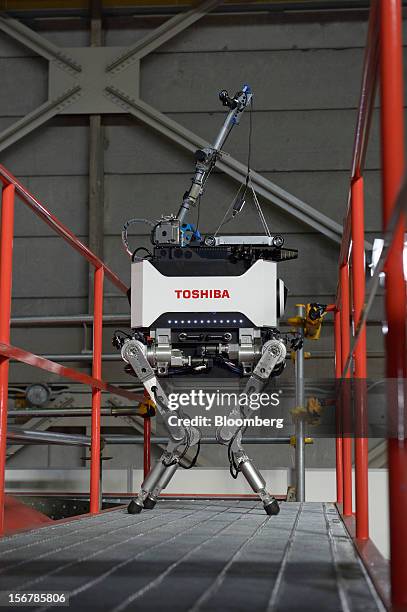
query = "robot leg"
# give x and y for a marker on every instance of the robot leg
(274, 352)
(257, 483)
(155, 481)
(181, 438)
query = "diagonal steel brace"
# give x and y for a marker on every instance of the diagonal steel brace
(268, 190)
(37, 117)
(161, 35)
(37, 43)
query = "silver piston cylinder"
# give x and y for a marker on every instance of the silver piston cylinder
(167, 475)
(153, 477)
(252, 475)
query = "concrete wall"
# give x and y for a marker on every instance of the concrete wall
(306, 76)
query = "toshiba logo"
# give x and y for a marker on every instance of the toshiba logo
(196, 294)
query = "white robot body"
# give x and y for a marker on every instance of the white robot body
(257, 296)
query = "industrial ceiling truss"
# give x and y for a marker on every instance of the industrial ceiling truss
(106, 80)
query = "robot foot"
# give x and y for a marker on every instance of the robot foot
(134, 507)
(149, 502)
(272, 507)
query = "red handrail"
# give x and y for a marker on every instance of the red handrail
(6, 260)
(345, 396)
(393, 160)
(339, 440)
(384, 48)
(58, 227)
(12, 188)
(360, 360)
(353, 234)
(363, 121)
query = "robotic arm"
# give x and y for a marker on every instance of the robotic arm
(206, 158)
(168, 230)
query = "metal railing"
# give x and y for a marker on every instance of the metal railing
(384, 52)
(11, 190)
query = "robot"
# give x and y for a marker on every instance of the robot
(200, 302)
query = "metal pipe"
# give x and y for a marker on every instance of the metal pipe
(116, 319)
(339, 440)
(147, 445)
(345, 395)
(46, 437)
(71, 357)
(27, 436)
(299, 423)
(56, 368)
(393, 160)
(122, 439)
(83, 357)
(71, 412)
(95, 468)
(6, 277)
(360, 361)
(62, 320)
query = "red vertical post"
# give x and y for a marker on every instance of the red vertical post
(339, 440)
(346, 409)
(360, 364)
(95, 470)
(6, 277)
(393, 160)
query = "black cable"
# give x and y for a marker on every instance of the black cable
(187, 445)
(224, 223)
(180, 371)
(149, 254)
(249, 146)
(249, 150)
(182, 455)
(231, 456)
(233, 467)
(120, 331)
(249, 155)
(194, 460)
(198, 212)
(126, 227)
(228, 365)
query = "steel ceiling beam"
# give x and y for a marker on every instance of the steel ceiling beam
(266, 188)
(37, 43)
(162, 34)
(37, 117)
(150, 116)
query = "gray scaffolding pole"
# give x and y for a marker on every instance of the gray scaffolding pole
(299, 423)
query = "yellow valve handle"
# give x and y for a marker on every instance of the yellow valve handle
(146, 409)
(314, 406)
(293, 441)
(311, 412)
(313, 326)
(307, 355)
(310, 326)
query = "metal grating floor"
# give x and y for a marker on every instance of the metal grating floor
(195, 555)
